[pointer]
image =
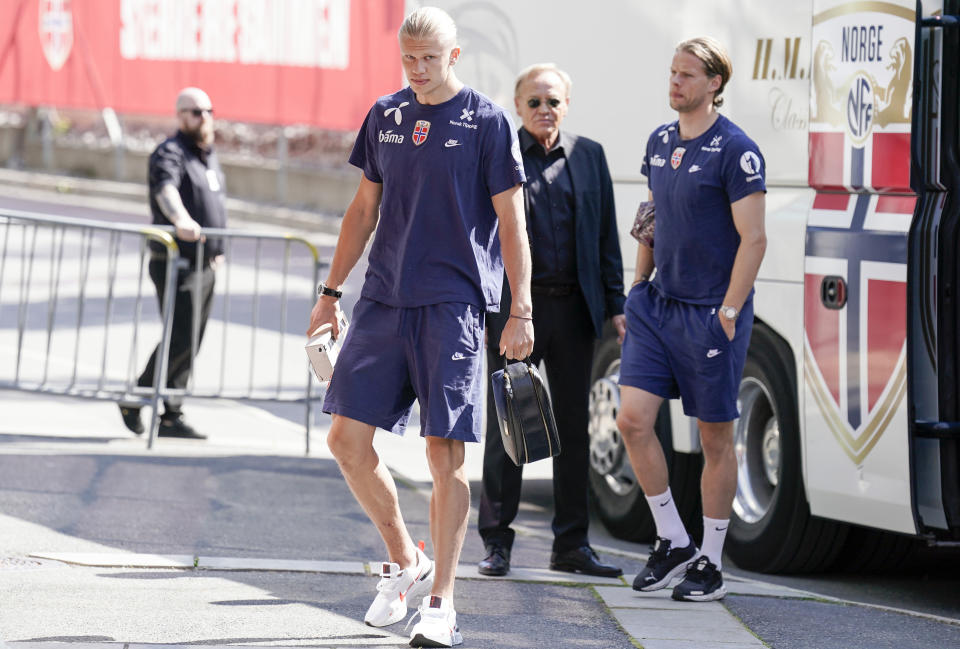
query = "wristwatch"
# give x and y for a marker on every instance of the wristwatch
(729, 312)
(323, 289)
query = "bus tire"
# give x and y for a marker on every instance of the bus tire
(771, 529)
(876, 551)
(616, 495)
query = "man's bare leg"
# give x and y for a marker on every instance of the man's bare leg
(351, 443)
(449, 510)
(433, 516)
(718, 483)
(636, 419)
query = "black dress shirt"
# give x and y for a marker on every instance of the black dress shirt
(197, 176)
(550, 212)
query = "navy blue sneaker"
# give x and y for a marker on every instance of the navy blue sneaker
(703, 583)
(664, 564)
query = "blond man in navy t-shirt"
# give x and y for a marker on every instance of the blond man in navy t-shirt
(441, 191)
(688, 328)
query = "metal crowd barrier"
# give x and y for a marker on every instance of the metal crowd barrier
(79, 315)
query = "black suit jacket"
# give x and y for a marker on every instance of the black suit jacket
(599, 264)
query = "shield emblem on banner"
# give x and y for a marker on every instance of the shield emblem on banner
(56, 31)
(420, 131)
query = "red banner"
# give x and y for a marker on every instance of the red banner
(317, 62)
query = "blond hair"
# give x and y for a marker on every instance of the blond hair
(537, 68)
(715, 61)
(427, 22)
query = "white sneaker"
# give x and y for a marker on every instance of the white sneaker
(437, 626)
(396, 587)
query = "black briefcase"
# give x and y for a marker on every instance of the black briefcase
(527, 426)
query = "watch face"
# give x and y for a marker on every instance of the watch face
(729, 313)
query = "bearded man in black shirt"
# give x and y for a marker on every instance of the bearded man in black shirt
(186, 187)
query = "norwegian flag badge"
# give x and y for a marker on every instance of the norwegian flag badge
(420, 131)
(677, 156)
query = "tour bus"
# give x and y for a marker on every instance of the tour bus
(848, 441)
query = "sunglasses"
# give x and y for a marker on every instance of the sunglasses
(198, 112)
(534, 102)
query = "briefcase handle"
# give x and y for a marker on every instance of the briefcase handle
(505, 362)
(506, 375)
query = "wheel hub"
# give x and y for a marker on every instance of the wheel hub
(607, 455)
(771, 452)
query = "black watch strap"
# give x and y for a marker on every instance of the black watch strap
(323, 289)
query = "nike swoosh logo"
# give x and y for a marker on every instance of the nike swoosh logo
(420, 576)
(666, 503)
(720, 529)
(713, 352)
(451, 143)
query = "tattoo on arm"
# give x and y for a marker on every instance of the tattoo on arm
(168, 198)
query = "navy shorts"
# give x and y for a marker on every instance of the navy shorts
(394, 355)
(676, 349)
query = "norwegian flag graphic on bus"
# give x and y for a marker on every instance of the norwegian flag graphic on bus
(855, 336)
(862, 96)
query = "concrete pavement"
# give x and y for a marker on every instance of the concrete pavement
(241, 541)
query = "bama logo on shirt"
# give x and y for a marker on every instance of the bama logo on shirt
(390, 137)
(657, 160)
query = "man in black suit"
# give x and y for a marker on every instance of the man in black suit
(577, 284)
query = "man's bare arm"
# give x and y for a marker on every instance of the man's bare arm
(168, 198)
(644, 266)
(748, 218)
(516, 341)
(359, 223)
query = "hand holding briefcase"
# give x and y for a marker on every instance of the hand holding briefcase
(527, 426)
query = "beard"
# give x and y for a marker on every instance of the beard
(688, 105)
(203, 134)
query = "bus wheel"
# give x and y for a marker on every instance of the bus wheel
(771, 529)
(617, 497)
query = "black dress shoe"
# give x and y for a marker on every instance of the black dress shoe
(131, 419)
(584, 561)
(176, 427)
(497, 563)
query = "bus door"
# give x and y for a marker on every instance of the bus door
(934, 275)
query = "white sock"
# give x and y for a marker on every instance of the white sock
(714, 533)
(667, 518)
(416, 561)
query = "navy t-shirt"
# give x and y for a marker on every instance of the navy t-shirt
(693, 184)
(439, 165)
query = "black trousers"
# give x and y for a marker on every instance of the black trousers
(179, 362)
(564, 340)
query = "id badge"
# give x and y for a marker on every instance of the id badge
(213, 180)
